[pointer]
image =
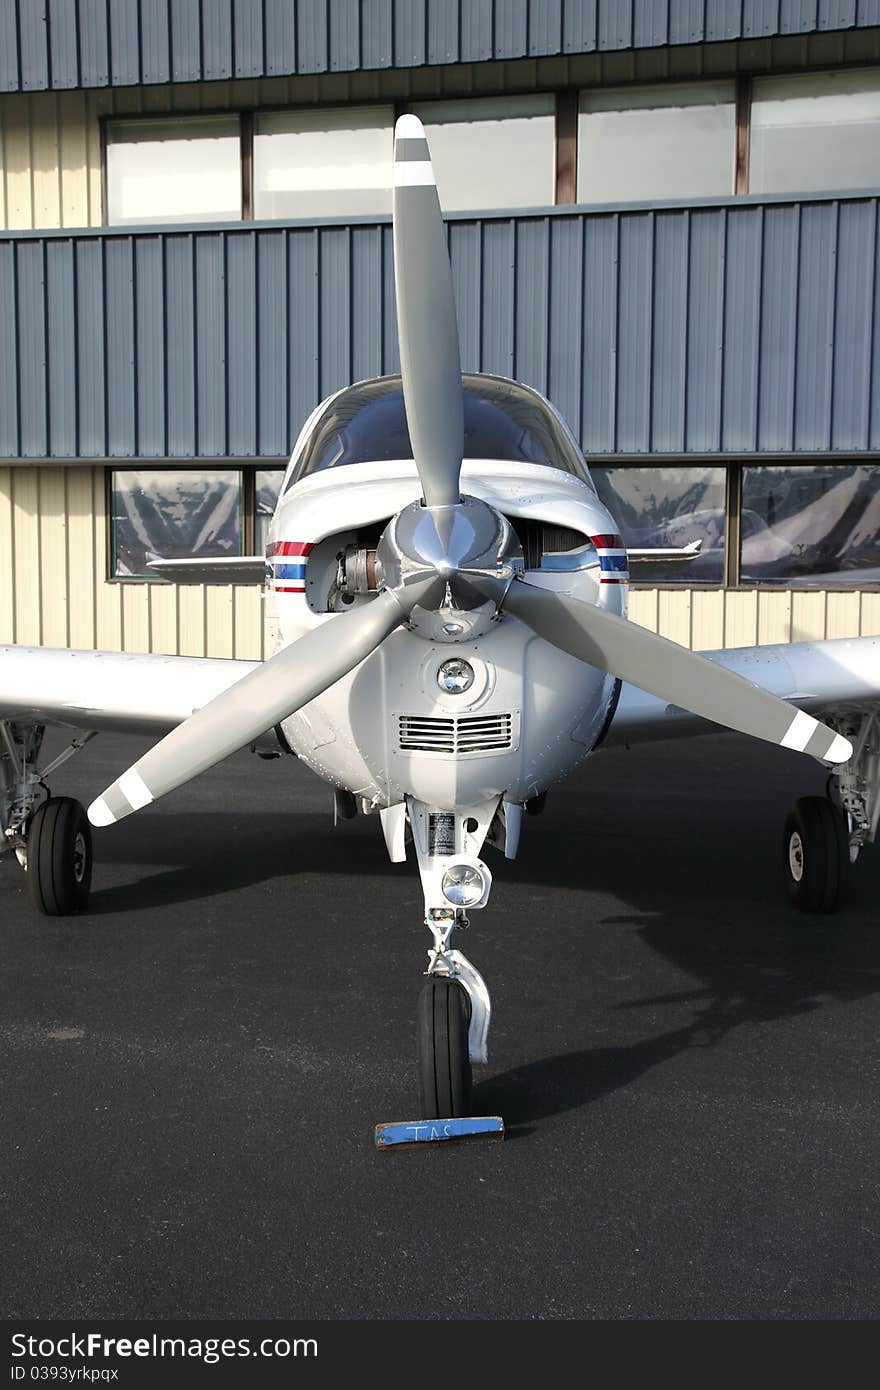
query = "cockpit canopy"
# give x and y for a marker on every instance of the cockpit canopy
(503, 419)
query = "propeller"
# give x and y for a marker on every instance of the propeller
(448, 565)
(671, 672)
(426, 324)
(282, 685)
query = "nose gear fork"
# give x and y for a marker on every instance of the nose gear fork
(452, 964)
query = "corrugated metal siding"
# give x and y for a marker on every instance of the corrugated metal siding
(54, 590)
(56, 44)
(736, 328)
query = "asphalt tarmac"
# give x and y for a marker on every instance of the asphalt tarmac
(191, 1072)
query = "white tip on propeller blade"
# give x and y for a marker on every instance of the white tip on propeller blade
(430, 364)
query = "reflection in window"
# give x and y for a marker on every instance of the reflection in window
(815, 131)
(268, 485)
(656, 142)
(323, 163)
(817, 524)
(497, 152)
(666, 507)
(182, 170)
(171, 515)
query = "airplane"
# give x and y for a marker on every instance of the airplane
(446, 608)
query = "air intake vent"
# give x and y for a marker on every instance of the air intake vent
(484, 731)
(478, 733)
(427, 735)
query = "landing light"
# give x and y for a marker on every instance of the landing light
(455, 676)
(463, 885)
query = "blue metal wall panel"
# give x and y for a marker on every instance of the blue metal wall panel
(853, 327)
(273, 347)
(186, 40)
(92, 43)
(668, 375)
(10, 440)
(734, 327)
(249, 58)
(345, 35)
(155, 41)
(476, 32)
(61, 335)
(33, 45)
(91, 348)
(635, 324)
(599, 356)
(125, 51)
(280, 27)
(815, 340)
(150, 300)
(304, 319)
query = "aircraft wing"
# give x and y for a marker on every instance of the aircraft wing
(819, 677)
(118, 691)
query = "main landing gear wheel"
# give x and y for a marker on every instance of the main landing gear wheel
(815, 855)
(444, 1060)
(59, 857)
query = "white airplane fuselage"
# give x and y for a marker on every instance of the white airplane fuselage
(387, 730)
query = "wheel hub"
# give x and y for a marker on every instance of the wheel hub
(796, 856)
(79, 856)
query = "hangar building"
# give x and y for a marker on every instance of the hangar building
(662, 213)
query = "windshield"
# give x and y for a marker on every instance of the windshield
(502, 420)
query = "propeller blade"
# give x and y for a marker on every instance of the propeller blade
(671, 672)
(282, 685)
(427, 328)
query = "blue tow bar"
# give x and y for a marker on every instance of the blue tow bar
(408, 1133)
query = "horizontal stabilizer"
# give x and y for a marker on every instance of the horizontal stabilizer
(669, 555)
(211, 569)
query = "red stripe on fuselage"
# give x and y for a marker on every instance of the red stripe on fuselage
(608, 542)
(289, 548)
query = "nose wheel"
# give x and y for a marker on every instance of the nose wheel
(443, 1021)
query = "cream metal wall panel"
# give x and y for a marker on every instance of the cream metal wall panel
(95, 43)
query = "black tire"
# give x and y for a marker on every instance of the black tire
(59, 857)
(815, 855)
(442, 1039)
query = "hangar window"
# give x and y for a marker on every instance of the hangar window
(323, 162)
(816, 525)
(187, 169)
(497, 152)
(173, 514)
(815, 131)
(641, 143)
(669, 508)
